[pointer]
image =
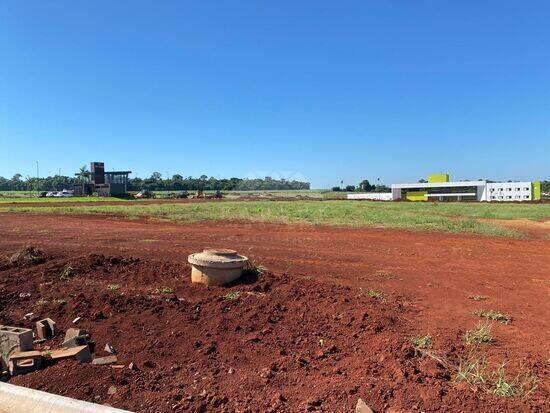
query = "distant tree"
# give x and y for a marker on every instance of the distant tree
(366, 186)
(155, 183)
(422, 181)
(350, 188)
(336, 189)
(83, 174)
(381, 188)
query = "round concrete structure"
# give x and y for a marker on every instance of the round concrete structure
(216, 266)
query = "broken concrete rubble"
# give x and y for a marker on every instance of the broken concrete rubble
(45, 328)
(362, 407)
(13, 339)
(21, 362)
(75, 341)
(109, 349)
(80, 353)
(23, 366)
(73, 332)
(101, 361)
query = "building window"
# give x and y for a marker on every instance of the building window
(526, 196)
(518, 189)
(526, 189)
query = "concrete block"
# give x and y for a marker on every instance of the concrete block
(17, 367)
(13, 339)
(45, 328)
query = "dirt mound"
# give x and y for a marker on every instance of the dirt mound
(278, 342)
(28, 255)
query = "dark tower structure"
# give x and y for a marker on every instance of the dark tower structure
(97, 173)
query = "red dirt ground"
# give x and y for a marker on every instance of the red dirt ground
(303, 336)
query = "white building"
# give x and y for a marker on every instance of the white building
(439, 188)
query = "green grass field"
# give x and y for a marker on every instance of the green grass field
(449, 217)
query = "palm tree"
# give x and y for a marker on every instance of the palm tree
(83, 174)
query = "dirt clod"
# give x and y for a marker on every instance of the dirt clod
(28, 255)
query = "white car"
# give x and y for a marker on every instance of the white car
(65, 193)
(51, 193)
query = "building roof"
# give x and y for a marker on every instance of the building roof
(439, 184)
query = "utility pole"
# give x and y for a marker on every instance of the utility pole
(37, 178)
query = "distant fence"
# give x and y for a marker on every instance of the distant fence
(374, 196)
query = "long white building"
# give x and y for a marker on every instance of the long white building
(439, 188)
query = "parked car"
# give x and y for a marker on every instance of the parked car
(42, 194)
(51, 193)
(65, 193)
(144, 193)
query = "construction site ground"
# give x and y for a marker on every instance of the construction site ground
(329, 321)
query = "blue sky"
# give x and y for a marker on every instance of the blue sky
(317, 90)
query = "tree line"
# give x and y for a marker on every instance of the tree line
(180, 183)
(363, 186)
(154, 183)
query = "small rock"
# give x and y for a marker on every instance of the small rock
(30, 316)
(76, 320)
(75, 341)
(231, 370)
(73, 332)
(112, 390)
(98, 315)
(132, 366)
(362, 407)
(104, 360)
(266, 373)
(312, 404)
(24, 295)
(109, 348)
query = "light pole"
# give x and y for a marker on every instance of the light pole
(37, 178)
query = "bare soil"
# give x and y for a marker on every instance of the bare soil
(305, 335)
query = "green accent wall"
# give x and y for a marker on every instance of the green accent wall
(535, 189)
(416, 196)
(436, 178)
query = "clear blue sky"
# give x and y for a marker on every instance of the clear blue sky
(320, 90)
